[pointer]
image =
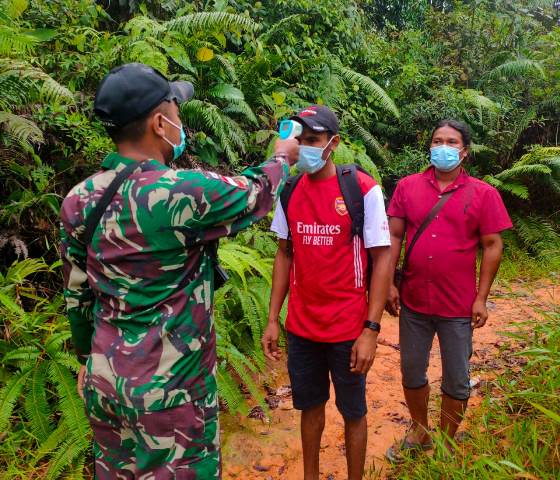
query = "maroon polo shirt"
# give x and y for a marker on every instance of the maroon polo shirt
(441, 274)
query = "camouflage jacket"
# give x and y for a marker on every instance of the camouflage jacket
(148, 340)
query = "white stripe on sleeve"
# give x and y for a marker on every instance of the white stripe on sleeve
(376, 227)
(279, 224)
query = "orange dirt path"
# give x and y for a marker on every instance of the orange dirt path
(253, 449)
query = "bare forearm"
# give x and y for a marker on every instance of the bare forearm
(280, 284)
(396, 246)
(380, 282)
(491, 257)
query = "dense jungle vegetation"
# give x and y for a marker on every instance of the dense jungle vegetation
(391, 70)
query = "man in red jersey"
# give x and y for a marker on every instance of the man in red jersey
(332, 327)
(439, 293)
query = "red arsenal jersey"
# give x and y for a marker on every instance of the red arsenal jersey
(328, 284)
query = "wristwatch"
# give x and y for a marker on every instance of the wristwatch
(376, 327)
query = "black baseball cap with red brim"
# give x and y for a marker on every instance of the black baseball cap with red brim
(131, 91)
(318, 118)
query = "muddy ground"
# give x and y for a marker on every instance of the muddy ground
(257, 449)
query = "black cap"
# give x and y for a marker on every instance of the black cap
(318, 118)
(133, 90)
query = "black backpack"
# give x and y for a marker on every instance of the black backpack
(351, 193)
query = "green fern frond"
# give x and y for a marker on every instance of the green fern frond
(514, 188)
(69, 403)
(18, 271)
(24, 356)
(229, 392)
(70, 451)
(523, 170)
(20, 128)
(36, 404)
(243, 367)
(67, 359)
(206, 115)
(539, 236)
(368, 86)
(58, 435)
(15, 44)
(517, 69)
(9, 395)
(226, 91)
(369, 140)
(55, 342)
(281, 27)
(228, 67)
(476, 99)
(542, 155)
(212, 21)
(241, 107)
(50, 89)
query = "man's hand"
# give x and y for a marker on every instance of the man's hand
(479, 313)
(393, 301)
(288, 148)
(363, 352)
(80, 386)
(269, 341)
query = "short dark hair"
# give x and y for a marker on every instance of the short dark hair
(131, 132)
(461, 127)
(136, 129)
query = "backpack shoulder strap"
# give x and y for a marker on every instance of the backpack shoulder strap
(286, 194)
(352, 195)
(95, 215)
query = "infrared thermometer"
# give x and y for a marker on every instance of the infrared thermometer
(289, 129)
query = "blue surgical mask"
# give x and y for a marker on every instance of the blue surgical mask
(180, 148)
(445, 158)
(310, 159)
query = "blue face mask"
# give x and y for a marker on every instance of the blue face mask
(445, 158)
(310, 159)
(180, 148)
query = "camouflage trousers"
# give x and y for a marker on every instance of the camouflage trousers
(177, 443)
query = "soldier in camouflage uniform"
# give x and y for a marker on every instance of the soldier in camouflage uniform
(139, 295)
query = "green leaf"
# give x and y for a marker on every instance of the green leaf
(549, 413)
(226, 91)
(278, 97)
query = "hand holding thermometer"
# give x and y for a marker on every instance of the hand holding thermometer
(289, 129)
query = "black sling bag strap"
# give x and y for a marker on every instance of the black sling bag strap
(95, 216)
(433, 212)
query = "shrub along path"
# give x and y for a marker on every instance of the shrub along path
(256, 449)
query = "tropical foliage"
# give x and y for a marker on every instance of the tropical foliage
(391, 70)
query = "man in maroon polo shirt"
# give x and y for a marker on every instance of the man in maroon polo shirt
(439, 292)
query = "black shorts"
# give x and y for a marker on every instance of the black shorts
(309, 365)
